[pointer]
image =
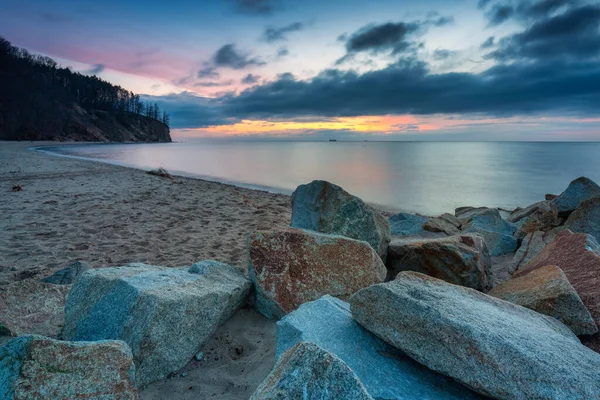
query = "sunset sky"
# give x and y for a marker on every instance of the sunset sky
(345, 69)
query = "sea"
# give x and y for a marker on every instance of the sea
(429, 178)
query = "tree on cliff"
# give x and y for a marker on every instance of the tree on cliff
(38, 97)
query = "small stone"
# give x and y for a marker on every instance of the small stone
(199, 356)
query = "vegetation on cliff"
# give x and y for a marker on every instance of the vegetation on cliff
(40, 100)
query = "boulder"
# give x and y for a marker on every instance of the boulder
(164, 314)
(579, 190)
(33, 307)
(498, 233)
(548, 291)
(446, 223)
(384, 370)
(293, 266)
(36, 367)
(532, 244)
(586, 218)
(542, 216)
(327, 208)
(494, 347)
(68, 275)
(464, 213)
(462, 259)
(578, 256)
(405, 224)
(306, 371)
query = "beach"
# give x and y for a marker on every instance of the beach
(108, 215)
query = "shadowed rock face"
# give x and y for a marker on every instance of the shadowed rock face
(404, 224)
(579, 190)
(462, 259)
(548, 291)
(293, 266)
(498, 233)
(586, 218)
(36, 367)
(531, 246)
(68, 275)
(496, 348)
(578, 256)
(306, 371)
(324, 207)
(164, 314)
(542, 216)
(446, 223)
(385, 371)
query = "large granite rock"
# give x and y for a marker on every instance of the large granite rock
(542, 216)
(462, 259)
(496, 348)
(464, 213)
(36, 367)
(306, 371)
(548, 291)
(498, 233)
(68, 275)
(579, 190)
(532, 244)
(446, 223)
(586, 218)
(324, 207)
(33, 307)
(578, 256)
(294, 266)
(384, 370)
(164, 314)
(405, 224)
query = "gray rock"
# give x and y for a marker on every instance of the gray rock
(579, 190)
(586, 218)
(464, 213)
(462, 259)
(306, 371)
(291, 267)
(36, 367)
(324, 207)
(498, 233)
(164, 314)
(548, 291)
(446, 223)
(531, 246)
(542, 216)
(384, 370)
(68, 275)
(496, 348)
(405, 224)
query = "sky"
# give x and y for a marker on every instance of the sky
(345, 69)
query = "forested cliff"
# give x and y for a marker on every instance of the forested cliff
(39, 100)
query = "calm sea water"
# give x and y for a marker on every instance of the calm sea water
(425, 177)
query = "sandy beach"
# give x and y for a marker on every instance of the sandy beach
(108, 215)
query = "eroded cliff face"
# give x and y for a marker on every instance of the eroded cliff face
(77, 124)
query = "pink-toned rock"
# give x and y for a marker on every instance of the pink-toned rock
(33, 307)
(578, 255)
(293, 266)
(548, 291)
(531, 246)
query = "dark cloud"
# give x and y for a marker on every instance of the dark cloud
(489, 42)
(214, 84)
(442, 54)
(573, 33)
(410, 88)
(250, 79)
(208, 72)
(499, 13)
(443, 21)
(523, 10)
(96, 69)
(188, 110)
(277, 34)
(257, 7)
(282, 52)
(229, 56)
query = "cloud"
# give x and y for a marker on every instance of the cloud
(499, 13)
(229, 56)
(96, 69)
(410, 88)
(282, 52)
(571, 34)
(214, 84)
(188, 110)
(523, 10)
(208, 72)
(257, 7)
(250, 79)
(442, 54)
(489, 42)
(278, 34)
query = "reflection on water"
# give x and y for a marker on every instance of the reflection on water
(429, 178)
